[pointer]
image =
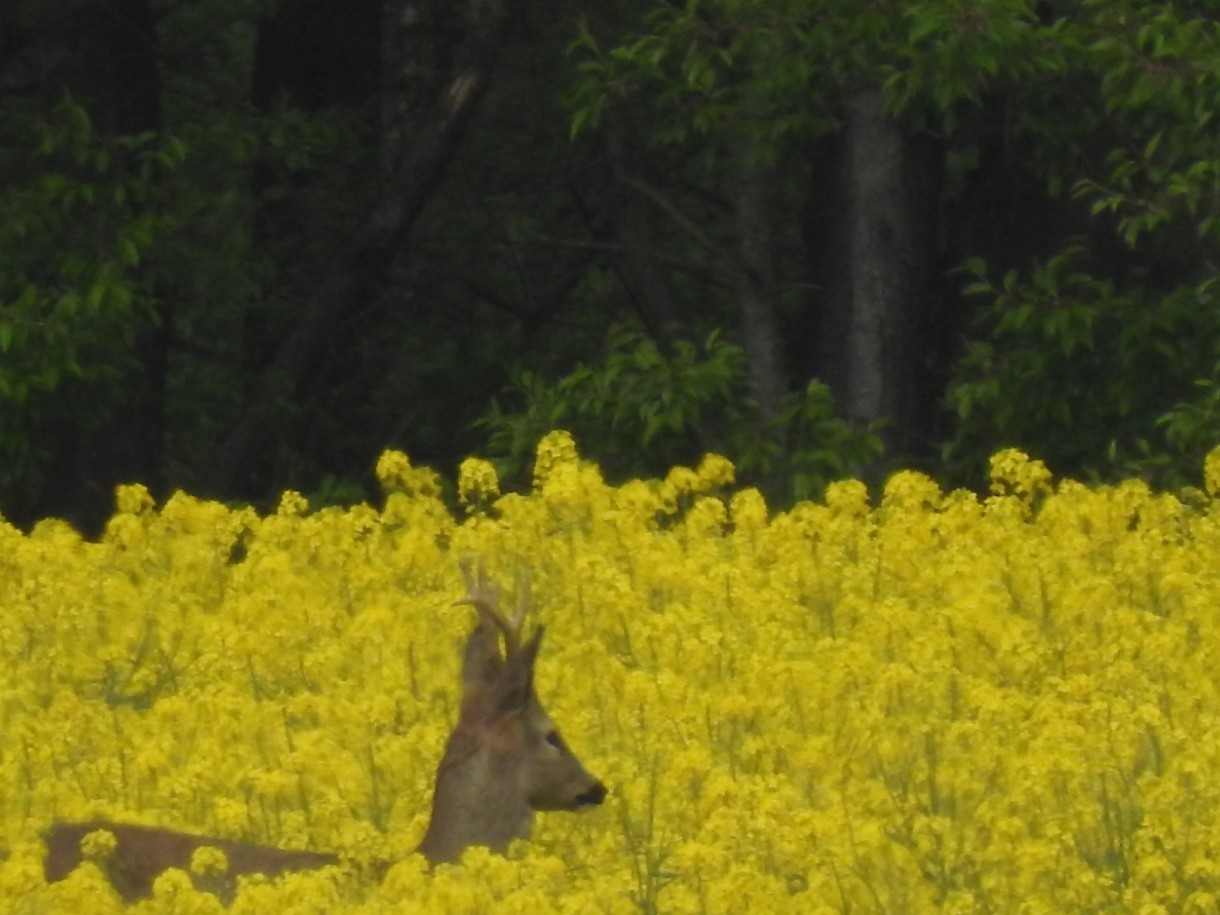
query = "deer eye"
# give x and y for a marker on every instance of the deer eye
(555, 740)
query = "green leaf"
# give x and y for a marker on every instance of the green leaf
(1152, 145)
(128, 252)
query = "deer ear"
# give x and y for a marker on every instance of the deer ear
(482, 665)
(516, 686)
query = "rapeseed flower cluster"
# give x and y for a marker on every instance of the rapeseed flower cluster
(934, 703)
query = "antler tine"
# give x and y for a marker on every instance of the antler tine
(523, 603)
(486, 600)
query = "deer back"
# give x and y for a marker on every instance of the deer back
(142, 853)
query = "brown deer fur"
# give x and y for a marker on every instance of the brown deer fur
(503, 761)
(142, 853)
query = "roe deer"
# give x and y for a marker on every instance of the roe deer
(503, 761)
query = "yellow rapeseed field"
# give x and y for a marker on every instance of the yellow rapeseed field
(934, 703)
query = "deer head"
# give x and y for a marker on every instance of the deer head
(505, 758)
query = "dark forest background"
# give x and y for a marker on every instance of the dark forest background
(246, 245)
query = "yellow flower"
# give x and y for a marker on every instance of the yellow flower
(1014, 471)
(908, 489)
(98, 844)
(748, 510)
(209, 860)
(714, 471)
(938, 703)
(849, 497)
(1211, 472)
(393, 469)
(292, 503)
(478, 483)
(555, 450)
(133, 499)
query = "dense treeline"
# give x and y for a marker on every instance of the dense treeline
(247, 244)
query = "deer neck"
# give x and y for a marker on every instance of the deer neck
(480, 799)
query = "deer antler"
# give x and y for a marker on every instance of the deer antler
(485, 598)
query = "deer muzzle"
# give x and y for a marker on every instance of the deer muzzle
(592, 797)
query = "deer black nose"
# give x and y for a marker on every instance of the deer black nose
(592, 797)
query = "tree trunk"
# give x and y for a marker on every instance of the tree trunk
(359, 264)
(756, 283)
(635, 226)
(871, 232)
(879, 243)
(322, 59)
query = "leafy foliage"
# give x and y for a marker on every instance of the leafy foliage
(1108, 367)
(641, 402)
(1091, 344)
(647, 406)
(1069, 361)
(77, 223)
(1100, 357)
(72, 233)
